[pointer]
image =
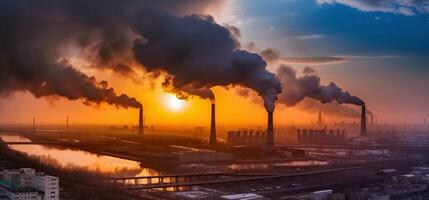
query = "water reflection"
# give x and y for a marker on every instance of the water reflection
(79, 158)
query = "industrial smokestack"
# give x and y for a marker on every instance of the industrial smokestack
(213, 140)
(363, 121)
(372, 120)
(141, 129)
(34, 125)
(320, 118)
(270, 130)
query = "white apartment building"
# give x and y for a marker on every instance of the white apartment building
(49, 185)
(26, 184)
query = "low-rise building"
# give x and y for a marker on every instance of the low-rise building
(26, 184)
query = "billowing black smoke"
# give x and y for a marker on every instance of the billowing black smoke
(200, 54)
(192, 51)
(33, 37)
(297, 88)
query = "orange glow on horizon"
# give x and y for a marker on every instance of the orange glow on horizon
(160, 109)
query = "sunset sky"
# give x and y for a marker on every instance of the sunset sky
(383, 46)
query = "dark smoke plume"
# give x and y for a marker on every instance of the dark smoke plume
(200, 54)
(33, 35)
(297, 88)
(192, 51)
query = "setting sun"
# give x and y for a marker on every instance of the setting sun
(173, 103)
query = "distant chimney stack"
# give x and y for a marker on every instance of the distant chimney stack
(213, 140)
(34, 125)
(372, 119)
(363, 121)
(270, 130)
(141, 128)
(320, 118)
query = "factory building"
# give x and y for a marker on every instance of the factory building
(246, 137)
(321, 136)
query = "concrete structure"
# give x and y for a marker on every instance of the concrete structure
(26, 184)
(213, 139)
(49, 185)
(11, 191)
(141, 128)
(321, 136)
(363, 121)
(270, 130)
(246, 138)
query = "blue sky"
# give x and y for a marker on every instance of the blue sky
(388, 41)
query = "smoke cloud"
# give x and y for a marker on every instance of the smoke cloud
(332, 109)
(200, 54)
(297, 88)
(192, 51)
(31, 40)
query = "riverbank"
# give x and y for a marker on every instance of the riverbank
(76, 183)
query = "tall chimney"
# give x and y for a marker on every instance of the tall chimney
(363, 121)
(320, 118)
(372, 119)
(213, 140)
(270, 130)
(141, 128)
(34, 125)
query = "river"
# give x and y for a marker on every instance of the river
(79, 158)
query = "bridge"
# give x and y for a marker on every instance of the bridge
(180, 180)
(200, 180)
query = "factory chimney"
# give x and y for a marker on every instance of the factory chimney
(363, 121)
(320, 118)
(141, 128)
(34, 125)
(372, 120)
(270, 130)
(213, 140)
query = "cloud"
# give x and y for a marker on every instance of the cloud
(365, 57)
(272, 55)
(321, 60)
(310, 37)
(404, 7)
